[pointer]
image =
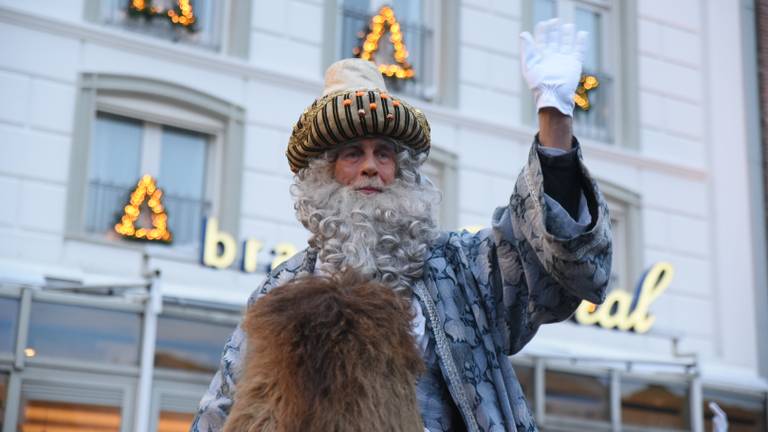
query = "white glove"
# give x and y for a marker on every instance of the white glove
(552, 64)
(719, 418)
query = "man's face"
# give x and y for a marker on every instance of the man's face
(366, 162)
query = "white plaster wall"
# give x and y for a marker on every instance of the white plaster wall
(287, 36)
(681, 171)
(676, 211)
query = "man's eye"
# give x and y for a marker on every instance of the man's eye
(349, 154)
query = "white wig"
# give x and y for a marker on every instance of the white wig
(385, 236)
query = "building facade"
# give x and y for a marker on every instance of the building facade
(147, 193)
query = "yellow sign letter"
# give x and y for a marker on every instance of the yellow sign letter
(214, 238)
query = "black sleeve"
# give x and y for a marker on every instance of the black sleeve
(563, 178)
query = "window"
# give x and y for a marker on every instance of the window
(83, 333)
(577, 396)
(201, 24)
(3, 395)
(171, 421)
(191, 143)
(607, 47)
(525, 376)
(620, 277)
(745, 412)
(591, 399)
(123, 150)
(627, 262)
(655, 405)
(74, 402)
(190, 345)
(47, 415)
(174, 404)
(440, 169)
(218, 25)
(419, 29)
(188, 349)
(9, 317)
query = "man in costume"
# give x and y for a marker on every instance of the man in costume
(477, 298)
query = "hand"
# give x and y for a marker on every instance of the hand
(551, 64)
(719, 418)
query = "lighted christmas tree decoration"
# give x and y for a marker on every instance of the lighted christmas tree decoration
(586, 84)
(385, 19)
(143, 9)
(146, 190)
(182, 15)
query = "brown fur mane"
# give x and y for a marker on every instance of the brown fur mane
(328, 354)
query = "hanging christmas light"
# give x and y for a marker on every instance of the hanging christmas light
(586, 84)
(182, 15)
(143, 9)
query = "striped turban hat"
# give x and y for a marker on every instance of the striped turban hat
(355, 103)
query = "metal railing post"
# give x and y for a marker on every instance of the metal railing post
(152, 308)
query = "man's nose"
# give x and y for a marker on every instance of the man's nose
(369, 167)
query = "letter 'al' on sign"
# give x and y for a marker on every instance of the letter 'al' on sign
(623, 312)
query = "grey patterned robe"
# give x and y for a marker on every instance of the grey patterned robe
(484, 296)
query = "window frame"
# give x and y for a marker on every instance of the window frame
(234, 28)
(443, 16)
(151, 141)
(733, 392)
(162, 388)
(63, 377)
(199, 316)
(630, 205)
(148, 100)
(63, 387)
(689, 382)
(105, 303)
(447, 164)
(617, 374)
(559, 423)
(622, 61)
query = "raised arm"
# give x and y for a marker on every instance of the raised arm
(552, 243)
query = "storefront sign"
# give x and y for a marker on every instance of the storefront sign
(220, 250)
(622, 310)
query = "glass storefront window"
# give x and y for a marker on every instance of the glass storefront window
(655, 405)
(84, 333)
(189, 345)
(525, 375)
(63, 416)
(577, 396)
(171, 421)
(3, 393)
(9, 321)
(745, 413)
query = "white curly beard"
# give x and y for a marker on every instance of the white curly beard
(384, 236)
